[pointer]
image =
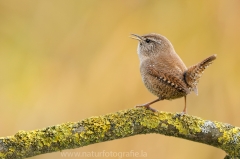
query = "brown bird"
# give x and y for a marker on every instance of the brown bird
(163, 72)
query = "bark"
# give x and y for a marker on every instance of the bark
(119, 125)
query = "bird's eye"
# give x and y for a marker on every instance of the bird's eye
(147, 41)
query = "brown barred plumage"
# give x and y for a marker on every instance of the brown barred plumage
(193, 73)
(162, 70)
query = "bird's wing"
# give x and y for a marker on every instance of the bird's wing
(169, 79)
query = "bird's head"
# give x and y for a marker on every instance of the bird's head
(152, 45)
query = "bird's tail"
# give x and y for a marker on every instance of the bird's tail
(194, 72)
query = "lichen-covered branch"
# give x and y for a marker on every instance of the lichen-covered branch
(119, 125)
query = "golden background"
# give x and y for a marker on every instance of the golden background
(65, 61)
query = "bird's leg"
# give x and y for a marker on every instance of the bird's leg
(147, 105)
(184, 109)
(185, 106)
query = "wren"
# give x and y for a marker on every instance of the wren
(163, 72)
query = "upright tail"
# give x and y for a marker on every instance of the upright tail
(194, 72)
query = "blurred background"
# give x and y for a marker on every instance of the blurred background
(64, 61)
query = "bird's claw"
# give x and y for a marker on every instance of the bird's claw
(178, 115)
(147, 107)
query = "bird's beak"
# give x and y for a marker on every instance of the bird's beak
(137, 37)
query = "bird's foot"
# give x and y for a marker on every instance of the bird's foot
(147, 106)
(177, 115)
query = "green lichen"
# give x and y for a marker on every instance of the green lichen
(230, 140)
(93, 130)
(163, 125)
(115, 126)
(225, 139)
(185, 124)
(150, 122)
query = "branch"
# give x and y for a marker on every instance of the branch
(119, 125)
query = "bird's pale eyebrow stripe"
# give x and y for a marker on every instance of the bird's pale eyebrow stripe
(157, 41)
